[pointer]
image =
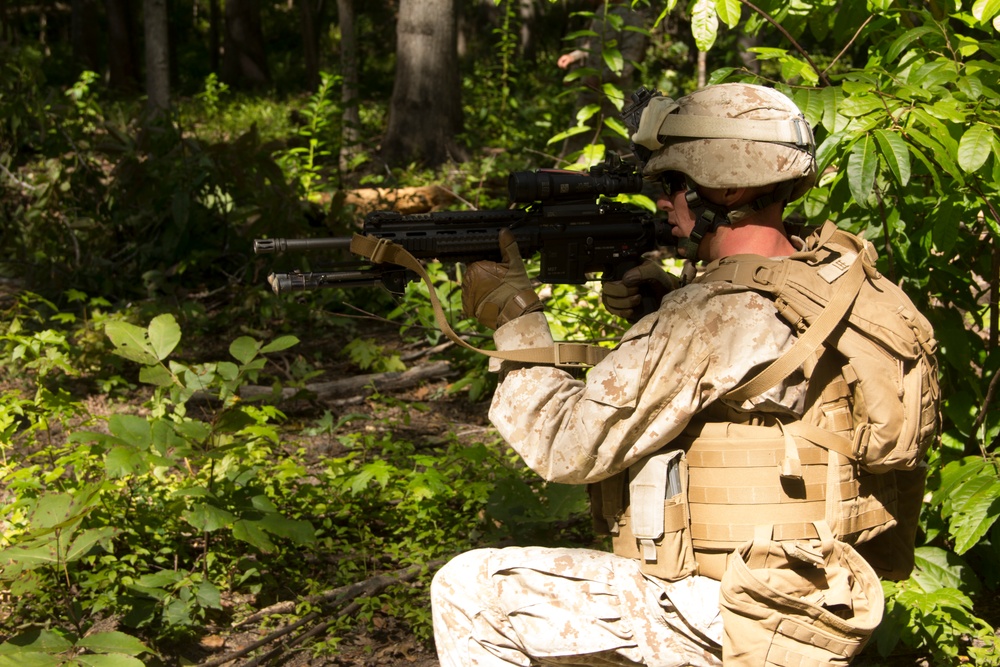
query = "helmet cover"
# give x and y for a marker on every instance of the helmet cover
(725, 162)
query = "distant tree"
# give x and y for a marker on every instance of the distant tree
(425, 114)
(214, 28)
(83, 29)
(154, 13)
(244, 62)
(349, 88)
(311, 13)
(123, 58)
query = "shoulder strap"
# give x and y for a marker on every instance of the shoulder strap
(560, 354)
(851, 267)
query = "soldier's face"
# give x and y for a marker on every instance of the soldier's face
(682, 220)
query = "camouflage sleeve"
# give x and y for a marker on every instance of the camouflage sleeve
(668, 367)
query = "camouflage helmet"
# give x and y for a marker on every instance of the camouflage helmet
(730, 135)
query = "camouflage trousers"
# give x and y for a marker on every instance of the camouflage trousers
(542, 606)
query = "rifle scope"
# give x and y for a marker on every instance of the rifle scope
(561, 185)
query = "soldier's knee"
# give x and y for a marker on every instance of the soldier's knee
(460, 575)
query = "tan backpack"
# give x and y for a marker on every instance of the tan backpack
(833, 295)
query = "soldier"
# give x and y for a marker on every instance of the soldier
(729, 157)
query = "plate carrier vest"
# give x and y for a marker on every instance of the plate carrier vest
(854, 459)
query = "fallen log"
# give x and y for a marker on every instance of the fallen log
(360, 384)
(330, 601)
(405, 200)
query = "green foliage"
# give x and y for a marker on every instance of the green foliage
(368, 355)
(304, 163)
(155, 517)
(931, 613)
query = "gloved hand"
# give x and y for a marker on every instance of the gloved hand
(497, 292)
(647, 283)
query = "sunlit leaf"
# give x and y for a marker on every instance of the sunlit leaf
(704, 24)
(279, 344)
(613, 59)
(906, 39)
(895, 153)
(985, 10)
(861, 166)
(164, 334)
(729, 11)
(614, 94)
(937, 568)
(244, 349)
(975, 147)
(130, 342)
(208, 517)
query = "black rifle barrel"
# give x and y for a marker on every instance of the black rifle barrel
(270, 246)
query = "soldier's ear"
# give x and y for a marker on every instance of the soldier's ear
(733, 195)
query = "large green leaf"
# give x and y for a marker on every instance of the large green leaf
(729, 11)
(895, 153)
(908, 38)
(613, 59)
(278, 344)
(704, 24)
(937, 568)
(113, 642)
(133, 429)
(985, 10)
(164, 334)
(244, 349)
(206, 517)
(130, 342)
(975, 147)
(108, 660)
(252, 532)
(861, 166)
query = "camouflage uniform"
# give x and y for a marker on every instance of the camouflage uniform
(584, 607)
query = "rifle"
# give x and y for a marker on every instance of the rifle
(567, 221)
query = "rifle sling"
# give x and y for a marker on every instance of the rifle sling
(381, 251)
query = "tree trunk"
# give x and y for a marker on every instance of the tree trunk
(85, 34)
(309, 15)
(243, 61)
(527, 11)
(123, 68)
(214, 27)
(426, 111)
(156, 31)
(351, 122)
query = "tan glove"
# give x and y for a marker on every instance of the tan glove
(639, 292)
(497, 292)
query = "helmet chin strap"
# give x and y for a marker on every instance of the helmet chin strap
(709, 216)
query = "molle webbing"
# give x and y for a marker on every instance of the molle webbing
(735, 482)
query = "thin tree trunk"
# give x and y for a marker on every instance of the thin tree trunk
(310, 41)
(243, 61)
(157, 33)
(123, 60)
(214, 26)
(84, 34)
(351, 123)
(527, 12)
